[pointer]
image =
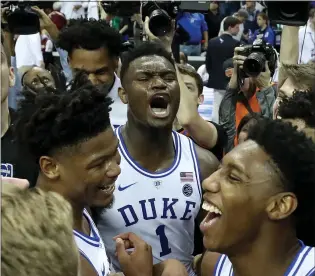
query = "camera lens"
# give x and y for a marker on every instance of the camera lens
(160, 23)
(254, 64)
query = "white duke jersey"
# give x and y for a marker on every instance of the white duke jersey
(92, 248)
(302, 265)
(159, 207)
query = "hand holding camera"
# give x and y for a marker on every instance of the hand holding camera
(257, 61)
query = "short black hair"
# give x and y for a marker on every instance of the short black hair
(294, 155)
(300, 106)
(90, 34)
(49, 120)
(230, 21)
(147, 48)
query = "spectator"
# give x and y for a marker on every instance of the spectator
(265, 32)
(126, 28)
(219, 50)
(14, 161)
(307, 40)
(206, 134)
(254, 95)
(296, 77)
(56, 16)
(292, 76)
(47, 48)
(92, 7)
(28, 51)
(299, 110)
(36, 78)
(253, 8)
(213, 19)
(195, 25)
(242, 16)
(72, 9)
(245, 124)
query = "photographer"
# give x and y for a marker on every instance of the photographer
(255, 94)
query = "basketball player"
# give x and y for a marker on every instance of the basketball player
(158, 194)
(70, 136)
(36, 234)
(264, 186)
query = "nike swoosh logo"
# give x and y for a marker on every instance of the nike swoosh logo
(120, 188)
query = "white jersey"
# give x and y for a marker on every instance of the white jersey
(92, 248)
(302, 265)
(159, 207)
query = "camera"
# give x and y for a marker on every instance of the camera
(257, 55)
(121, 8)
(20, 17)
(161, 15)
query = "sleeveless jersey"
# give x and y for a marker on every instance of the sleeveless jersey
(92, 248)
(159, 207)
(302, 265)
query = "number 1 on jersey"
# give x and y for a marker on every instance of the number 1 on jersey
(160, 231)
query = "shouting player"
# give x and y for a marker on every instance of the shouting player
(260, 203)
(158, 193)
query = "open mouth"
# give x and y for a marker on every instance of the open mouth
(159, 105)
(214, 215)
(107, 189)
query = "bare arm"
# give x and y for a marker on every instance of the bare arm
(85, 268)
(289, 53)
(123, 29)
(202, 132)
(207, 161)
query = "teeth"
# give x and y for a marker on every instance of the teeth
(159, 111)
(211, 208)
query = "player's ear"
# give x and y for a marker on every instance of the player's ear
(49, 167)
(281, 206)
(123, 95)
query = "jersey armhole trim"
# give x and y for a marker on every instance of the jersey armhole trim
(219, 265)
(88, 259)
(196, 165)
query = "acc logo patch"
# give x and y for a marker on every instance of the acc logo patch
(6, 170)
(187, 190)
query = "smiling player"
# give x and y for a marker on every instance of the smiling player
(70, 136)
(260, 203)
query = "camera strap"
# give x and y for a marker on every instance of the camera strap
(244, 101)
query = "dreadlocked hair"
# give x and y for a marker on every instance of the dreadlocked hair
(294, 155)
(90, 34)
(300, 106)
(52, 119)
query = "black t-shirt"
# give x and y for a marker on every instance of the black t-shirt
(217, 150)
(214, 23)
(126, 21)
(16, 162)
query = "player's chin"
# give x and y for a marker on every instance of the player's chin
(161, 123)
(104, 201)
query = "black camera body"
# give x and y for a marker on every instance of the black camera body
(121, 8)
(257, 55)
(161, 14)
(20, 17)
